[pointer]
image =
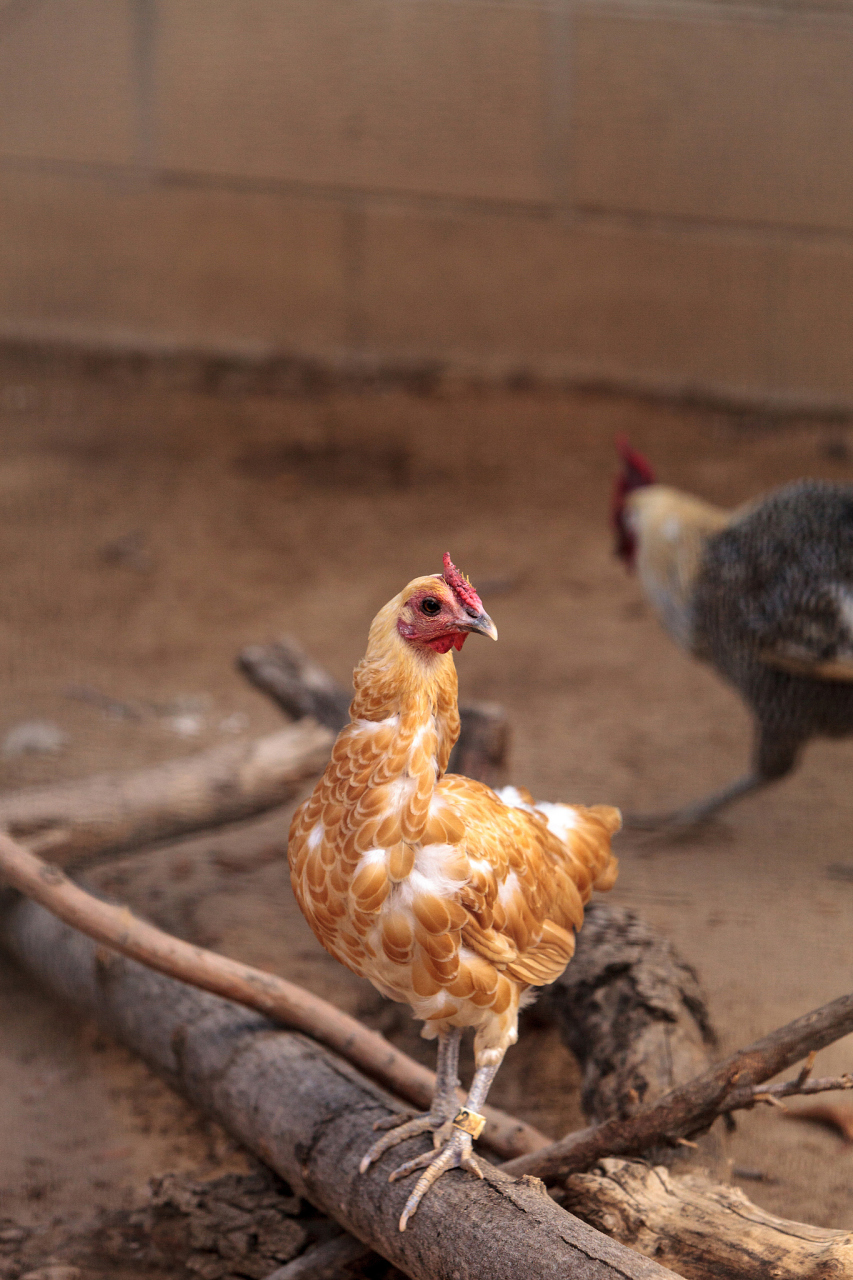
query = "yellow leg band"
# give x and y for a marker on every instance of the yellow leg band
(469, 1122)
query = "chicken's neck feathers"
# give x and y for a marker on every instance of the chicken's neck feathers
(415, 685)
(672, 528)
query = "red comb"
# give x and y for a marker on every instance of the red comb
(638, 469)
(460, 586)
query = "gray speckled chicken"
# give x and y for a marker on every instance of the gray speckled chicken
(764, 593)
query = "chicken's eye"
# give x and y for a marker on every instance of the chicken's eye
(431, 606)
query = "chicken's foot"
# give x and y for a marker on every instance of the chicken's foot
(456, 1153)
(443, 1109)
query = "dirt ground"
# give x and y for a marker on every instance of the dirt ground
(149, 530)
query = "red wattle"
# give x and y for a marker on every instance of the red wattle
(441, 644)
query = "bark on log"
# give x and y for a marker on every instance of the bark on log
(324, 1261)
(309, 1116)
(633, 1014)
(700, 1228)
(303, 688)
(110, 813)
(631, 1011)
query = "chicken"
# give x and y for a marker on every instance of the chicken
(446, 895)
(763, 593)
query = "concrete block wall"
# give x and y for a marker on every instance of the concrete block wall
(654, 194)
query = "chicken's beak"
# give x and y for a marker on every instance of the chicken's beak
(479, 624)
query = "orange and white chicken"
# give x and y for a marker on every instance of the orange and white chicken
(446, 895)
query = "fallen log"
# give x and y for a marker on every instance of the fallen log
(111, 813)
(116, 927)
(701, 1228)
(301, 687)
(630, 1010)
(309, 1115)
(296, 683)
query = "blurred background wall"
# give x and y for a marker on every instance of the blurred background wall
(650, 194)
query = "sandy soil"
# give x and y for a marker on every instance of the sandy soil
(149, 531)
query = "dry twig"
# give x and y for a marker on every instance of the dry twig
(740, 1098)
(693, 1107)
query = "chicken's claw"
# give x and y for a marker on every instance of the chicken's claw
(456, 1154)
(396, 1118)
(429, 1123)
(419, 1162)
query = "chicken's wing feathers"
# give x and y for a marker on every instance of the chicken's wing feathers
(798, 663)
(532, 868)
(780, 578)
(825, 651)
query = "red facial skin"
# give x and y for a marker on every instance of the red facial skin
(636, 473)
(459, 603)
(439, 631)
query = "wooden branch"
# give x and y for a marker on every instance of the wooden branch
(116, 927)
(303, 688)
(310, 1116)
(110, 813)
(300, 686)
(693, 1107)
(741, 1098)
(702, 1229)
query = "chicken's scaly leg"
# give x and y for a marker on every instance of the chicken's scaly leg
(456, 1153)
(693, 814)
(774, 754)
(444, 1103)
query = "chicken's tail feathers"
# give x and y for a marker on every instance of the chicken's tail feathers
(608, 821)
(609, 817)
(585, 833)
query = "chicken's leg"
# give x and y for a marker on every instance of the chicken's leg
(444, 1103)
(467, 1124)
(700, 811)
(774, 754)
